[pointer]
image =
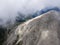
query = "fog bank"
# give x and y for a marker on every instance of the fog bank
(9, 8)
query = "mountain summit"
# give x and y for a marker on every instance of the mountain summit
(41, 30)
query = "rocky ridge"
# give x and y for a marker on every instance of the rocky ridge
(41, 30)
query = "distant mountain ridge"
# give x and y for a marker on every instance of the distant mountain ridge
(42, 11)
(22, 18)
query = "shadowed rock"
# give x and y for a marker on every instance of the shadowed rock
(42, 30)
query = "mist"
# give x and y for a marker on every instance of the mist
(9, 8)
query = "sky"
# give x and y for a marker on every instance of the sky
(9, 8)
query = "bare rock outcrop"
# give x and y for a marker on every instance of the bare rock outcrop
(41, 30)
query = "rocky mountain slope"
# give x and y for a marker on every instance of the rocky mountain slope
(41, 30)
(22, 17)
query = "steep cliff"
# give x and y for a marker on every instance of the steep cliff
(41, 30)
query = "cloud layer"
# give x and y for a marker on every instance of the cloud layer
(9, 8)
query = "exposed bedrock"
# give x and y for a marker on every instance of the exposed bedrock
(41, 30)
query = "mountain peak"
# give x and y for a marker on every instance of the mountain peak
(41, 30)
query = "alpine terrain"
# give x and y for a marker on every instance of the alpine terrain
(41, 30)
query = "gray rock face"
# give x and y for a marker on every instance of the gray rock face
(42, 30)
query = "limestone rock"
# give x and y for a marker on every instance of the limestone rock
(42, 30)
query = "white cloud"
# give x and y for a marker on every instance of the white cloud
(9, 8)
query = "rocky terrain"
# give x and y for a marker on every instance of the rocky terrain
(41, 30)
